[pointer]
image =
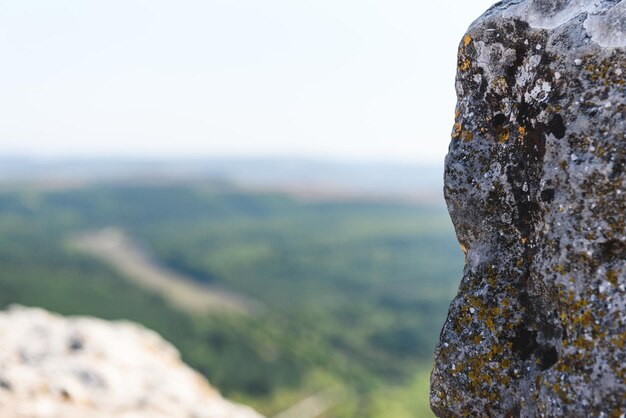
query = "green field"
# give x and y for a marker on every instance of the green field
(350, 293)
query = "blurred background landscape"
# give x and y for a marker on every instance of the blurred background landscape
(278, 280)
(258, 182)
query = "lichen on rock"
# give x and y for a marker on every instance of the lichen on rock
(535, 186)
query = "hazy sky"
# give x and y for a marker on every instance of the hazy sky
(357, 79)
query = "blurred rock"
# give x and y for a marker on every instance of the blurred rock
(534, 183)
(78, 367)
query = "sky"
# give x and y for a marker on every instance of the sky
(369, 80)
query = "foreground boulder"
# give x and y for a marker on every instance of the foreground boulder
(535, 186)
(56, 367)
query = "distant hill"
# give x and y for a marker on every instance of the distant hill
(297, 175)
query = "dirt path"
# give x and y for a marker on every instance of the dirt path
(115, 247)
(313, 406)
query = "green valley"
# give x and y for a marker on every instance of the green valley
(336, 299)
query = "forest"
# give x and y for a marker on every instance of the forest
(344, 297)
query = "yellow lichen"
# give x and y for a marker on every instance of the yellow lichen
(500, 85)
(619, 340)
(458, 128)
(467, 136)
(467, 39)
(465, 64)
(504, 135)
(491, 276)
(490, 324)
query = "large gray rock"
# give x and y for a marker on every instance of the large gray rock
(57, 367)
(535, 186)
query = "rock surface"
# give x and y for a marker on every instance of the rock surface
(56, 367)
(535, 186)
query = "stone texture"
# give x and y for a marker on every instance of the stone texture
(56, 367)
(535, 186)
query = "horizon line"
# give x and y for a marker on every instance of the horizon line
(154, 158)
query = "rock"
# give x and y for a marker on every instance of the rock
(535, 186)
(56, 367)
